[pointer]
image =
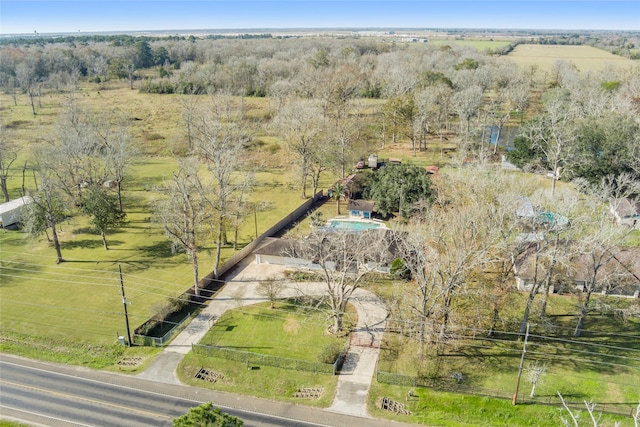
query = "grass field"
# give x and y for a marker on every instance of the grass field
(289, 331)
(585, 58)
(476, 44)
(80, 299)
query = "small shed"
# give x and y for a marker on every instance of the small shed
(10, 211)
(373, 161)
(360, 208)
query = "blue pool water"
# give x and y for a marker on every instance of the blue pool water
(353, 225)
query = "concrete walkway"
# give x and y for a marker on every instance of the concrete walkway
(360, 362)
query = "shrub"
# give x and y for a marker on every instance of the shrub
(330, 353)
(399, 270)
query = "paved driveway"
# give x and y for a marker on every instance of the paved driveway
(242, 282)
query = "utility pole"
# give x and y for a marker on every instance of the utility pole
(524, 351)
(400, 205)
(255, 219)
(124, 302)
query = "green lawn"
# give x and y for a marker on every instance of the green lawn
(602, 366)
(289, 330)
(441, 409)
(79, 302)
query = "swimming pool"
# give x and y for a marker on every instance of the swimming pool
(354, 225)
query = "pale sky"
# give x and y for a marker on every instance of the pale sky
(27, 16)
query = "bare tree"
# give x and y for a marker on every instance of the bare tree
(416, 254)
(270, 288)
(301, 124)
(114, 150)
(467, 103)
(535, 375)
(240, 205)
(221, 146)
(8, 155)
(598, 241)
(599, 261)
(189, 111)
(344, 260)
(554, 133)
(28, 79)
(594, 419)
(185, 211)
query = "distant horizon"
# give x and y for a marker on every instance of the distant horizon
(24, 17)
(267, 30)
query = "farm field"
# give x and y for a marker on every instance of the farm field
(585, 58)
(476, 44)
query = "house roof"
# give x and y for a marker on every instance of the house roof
(623, 267)
(15, 203)
(432, 169)
(624, 264)
(275, 246)
(385, 253)
(625, 207)
(360, 205)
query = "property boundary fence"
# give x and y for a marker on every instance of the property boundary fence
(229, 264)
(275, 229)
(163, 340)
(251, 358)
(450, 385)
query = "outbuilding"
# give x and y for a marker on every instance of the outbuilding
(10, 211)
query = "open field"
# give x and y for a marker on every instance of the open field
(79, 302)
(476, 44)
(585, 58)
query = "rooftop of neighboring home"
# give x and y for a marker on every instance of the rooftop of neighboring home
(360, 205)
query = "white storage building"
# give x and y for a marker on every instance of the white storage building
(10, 211)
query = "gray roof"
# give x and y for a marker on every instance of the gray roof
(625, 207)
(275, 246)
(360, 205)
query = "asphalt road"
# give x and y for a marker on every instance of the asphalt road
(46, 394)
(43, 396)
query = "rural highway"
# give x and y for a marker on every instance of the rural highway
(38, 395)
(46, 394)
